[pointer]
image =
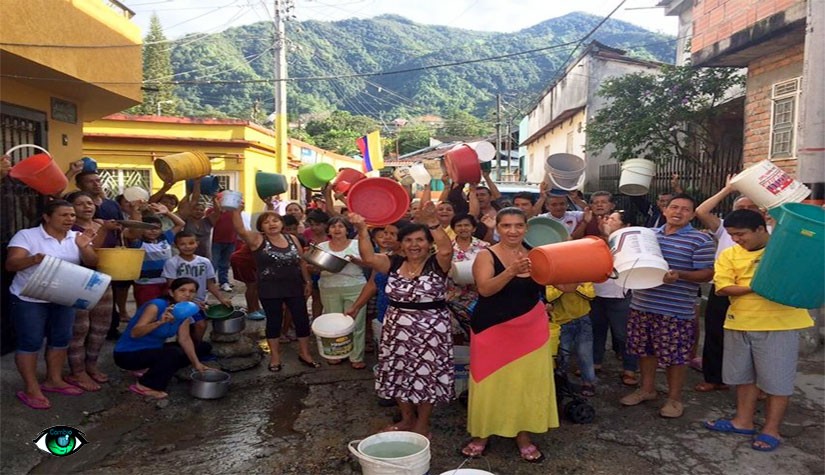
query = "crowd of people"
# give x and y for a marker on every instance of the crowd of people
(409, 310)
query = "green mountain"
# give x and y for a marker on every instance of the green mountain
(238, 57)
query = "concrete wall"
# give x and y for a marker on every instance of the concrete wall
(762, 75)
(716, 20)
(555, 141)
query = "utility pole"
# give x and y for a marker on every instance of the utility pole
(498, 136)
(281, 122)
(509, 149)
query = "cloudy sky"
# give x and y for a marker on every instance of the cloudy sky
(179, 17)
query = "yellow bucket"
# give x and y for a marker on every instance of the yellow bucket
(555, 338)
(121, 263)
(182, 166)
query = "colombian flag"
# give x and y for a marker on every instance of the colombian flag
(370, 147)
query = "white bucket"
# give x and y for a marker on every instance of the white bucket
(461, 360)
(462, 272)
(467, 471)
(231, 200)
(402, 175)
(420, 174)
(135, 193)
(484, 150)
(393, 453)
(565, 171)
(64, 283)
(334, 334)
(434, 168)
(769, 186)
(636, 176)
(637, 258)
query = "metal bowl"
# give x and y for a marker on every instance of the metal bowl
(209, 384)
(325, 260)
(235, 323)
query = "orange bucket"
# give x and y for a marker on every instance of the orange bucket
(182, 166)
(39, 172)
(582, 260)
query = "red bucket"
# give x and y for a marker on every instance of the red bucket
(345, 179)
(39, 172)
(380, 201)
(462, 165)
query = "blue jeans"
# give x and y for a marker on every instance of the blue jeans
(35, 321)
(221, 252)
(611, 314)
(577, 336)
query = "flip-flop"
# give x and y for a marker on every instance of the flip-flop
(358, 365)
(528, 454)
(770, 441)
(311, 364)
(34, 403)
(726, 425)
(148, 392)
(82, 384)
(477, 449)
(274, 368)
(629, 379)
(99, 378)
(64, 390)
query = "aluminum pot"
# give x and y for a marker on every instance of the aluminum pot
(209, 384)
(325, 260)
(234, 323)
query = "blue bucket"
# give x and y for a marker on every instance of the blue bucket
(791, 270)
(209, 185)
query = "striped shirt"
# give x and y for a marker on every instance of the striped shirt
(687, 249)
(157, 253)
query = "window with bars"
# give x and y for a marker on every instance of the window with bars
(115, 180)
(785, 97)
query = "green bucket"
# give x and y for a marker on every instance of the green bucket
(316, 176)
(270, 184)
(791, 270)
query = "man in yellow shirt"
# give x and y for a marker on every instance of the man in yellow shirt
(761, 336)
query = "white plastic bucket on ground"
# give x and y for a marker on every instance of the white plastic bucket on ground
(461, 360)
(231, 200)
(565, 171)
(769, 186)
(637, 258)
(636, 176)
(420, 174)
(64, 283)
(484, 150)
(135, 193)
(402, 175)
(462, 273)
(334, 333)
(392, 453)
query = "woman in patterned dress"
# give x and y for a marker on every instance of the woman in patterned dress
(415, 360)
(462, 297)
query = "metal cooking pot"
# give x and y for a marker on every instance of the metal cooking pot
(325, 260)
(234, 323)
(209, 384)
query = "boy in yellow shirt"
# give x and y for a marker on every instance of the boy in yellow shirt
(569, 306)
(761, 336)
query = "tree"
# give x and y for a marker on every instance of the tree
(460, 123)
(413, 136)
(157, 72)
(339, 131)
(662, 116)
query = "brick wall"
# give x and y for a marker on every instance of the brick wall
(762, 75)
(715, 20)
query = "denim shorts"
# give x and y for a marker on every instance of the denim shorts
(35, 321)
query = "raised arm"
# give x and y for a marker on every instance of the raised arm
(475, 207)
(377, 262)
(494, 193)
(190, 200)
(444, 255)
(705, 210)
(252, 238)
(162, 191)
(538, 207)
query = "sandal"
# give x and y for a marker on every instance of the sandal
(474, 449)
(531, 454)
(358, 365)
(100, 377)
(629, 379)
(765, 443)
(274, 368)
(88, 386)
(311, 364)
(726, 426)
(33, 402)
(588, 390)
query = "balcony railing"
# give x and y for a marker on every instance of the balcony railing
(120, 8)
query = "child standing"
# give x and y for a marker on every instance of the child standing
(198, 268)
(569, 306)
(156, 243)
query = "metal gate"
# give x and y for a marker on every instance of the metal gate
(20, 206)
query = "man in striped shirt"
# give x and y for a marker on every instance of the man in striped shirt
(660, 325)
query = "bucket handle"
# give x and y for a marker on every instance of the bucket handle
(25, 145)
(357, 454)
(578, 185)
